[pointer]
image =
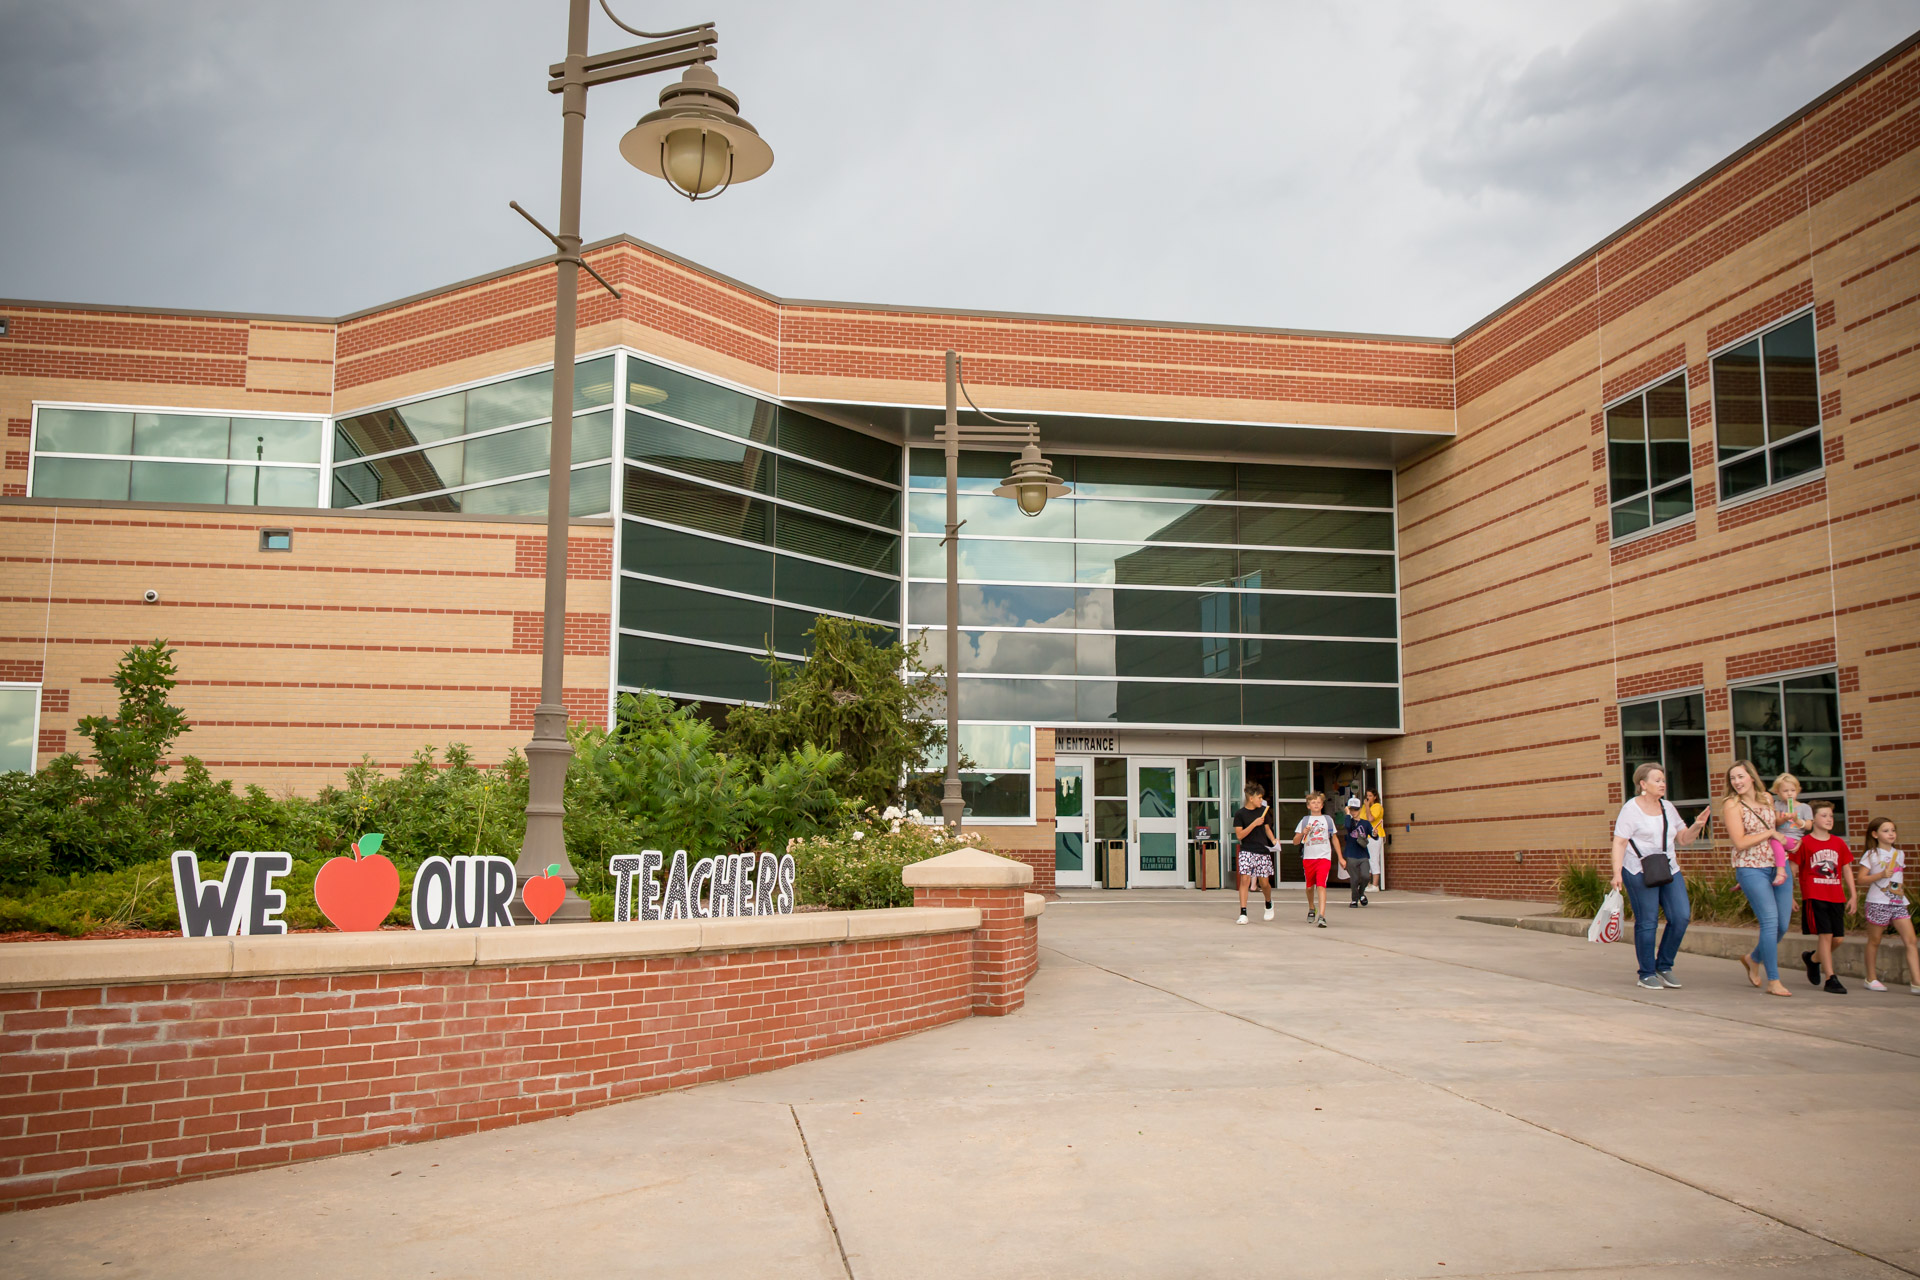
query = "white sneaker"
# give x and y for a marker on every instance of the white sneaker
(1243, 916)
(1269, 912)
(1876, 985)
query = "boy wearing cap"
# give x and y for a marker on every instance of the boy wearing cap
(1358, 842)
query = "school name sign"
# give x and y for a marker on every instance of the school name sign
(358, 893)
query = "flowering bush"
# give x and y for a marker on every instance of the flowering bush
(859, 867)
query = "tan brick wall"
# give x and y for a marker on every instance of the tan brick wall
(374, 636)
(1523, 626)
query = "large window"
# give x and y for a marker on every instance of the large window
(996, 785)
(1672, 733)
(1649, 459)
(1792, 725)
(1766, 409)
(484, 449)
(744, 522)
(126, 455)
(19, 726)
(1167, 592)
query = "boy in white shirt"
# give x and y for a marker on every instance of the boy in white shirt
(1319, 845)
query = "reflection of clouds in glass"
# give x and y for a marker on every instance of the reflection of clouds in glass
(997, 746)
(1098, 655)
(1096, 700)
(1096, 609)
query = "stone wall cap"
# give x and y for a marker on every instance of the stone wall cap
(967, 869)
(121, 962)
(1035, 905)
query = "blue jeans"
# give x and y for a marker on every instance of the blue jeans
(1671, 898)
(1773, 907)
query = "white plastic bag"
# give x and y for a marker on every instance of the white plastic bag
(1606, 922)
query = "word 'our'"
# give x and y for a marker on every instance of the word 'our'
(734, 884)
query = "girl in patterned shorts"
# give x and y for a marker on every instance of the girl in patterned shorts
(1883, 867)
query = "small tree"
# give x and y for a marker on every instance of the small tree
(130, 747)
(853, 697)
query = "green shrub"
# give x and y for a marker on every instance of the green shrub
(1716, 899)
(1581, 887)
(860, 868)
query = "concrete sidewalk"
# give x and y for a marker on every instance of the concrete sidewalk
(1404, 1093)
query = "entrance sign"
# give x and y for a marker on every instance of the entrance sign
(733, 884)
(243, 902)
(1087, 744)
(466, 891)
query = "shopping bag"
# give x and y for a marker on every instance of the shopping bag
(1606, 922)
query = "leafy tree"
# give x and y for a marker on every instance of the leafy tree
(130, 747)
(870, 705)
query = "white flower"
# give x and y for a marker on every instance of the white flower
(915, 814)
(859, 835)
(893, 813)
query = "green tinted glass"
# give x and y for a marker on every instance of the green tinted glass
(274, 440)
(650, 386)
(840, 590)
(850, 450)
(646, 548)
(1155, 792)
(176, 435)
(1151, 478)
(592, 436)
(1330, 486)
(421, 422)
(83, 431)
(509, 453)
(1739, 422)
(695, 506)
(692, 670)
(842, 495)
(1319, 571)
(179, 482)
(725, 459)
(1068, 851)
(501, 404)
(80, 478)
(273, 487)
(1069, 791)
(831, 540)
(698, 615)
(17, 710)
(1308, 707)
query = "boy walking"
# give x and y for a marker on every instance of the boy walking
(1826, 869)
(1358, 846)
(1319, 845)
(1253, 828)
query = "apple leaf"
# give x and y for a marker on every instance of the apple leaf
(368, 845)
(553, 868)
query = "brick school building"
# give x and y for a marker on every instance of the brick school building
(1659, 507)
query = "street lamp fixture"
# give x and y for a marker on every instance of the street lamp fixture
(700, 145)
(1030, 485)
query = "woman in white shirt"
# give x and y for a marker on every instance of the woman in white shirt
(1648, 825)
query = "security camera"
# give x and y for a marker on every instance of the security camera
(151, 597)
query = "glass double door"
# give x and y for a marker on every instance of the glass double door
(1137, 800)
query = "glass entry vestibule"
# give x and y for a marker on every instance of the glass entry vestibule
(1166, 810)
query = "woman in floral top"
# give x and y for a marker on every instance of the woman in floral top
(1748, 818)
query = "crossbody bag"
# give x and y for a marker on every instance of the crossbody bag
(1656, 869)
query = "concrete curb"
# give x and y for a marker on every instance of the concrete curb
(1849, 955)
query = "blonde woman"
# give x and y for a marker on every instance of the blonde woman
(1649, 824)
(1747, 815)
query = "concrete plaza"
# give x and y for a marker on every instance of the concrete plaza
(1404, 1093)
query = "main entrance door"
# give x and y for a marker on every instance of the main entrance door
(1154, 788)
(1073, 848)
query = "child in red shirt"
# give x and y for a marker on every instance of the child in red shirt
(1826, 894)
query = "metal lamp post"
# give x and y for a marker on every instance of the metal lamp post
(699, 144)
(1030, 485)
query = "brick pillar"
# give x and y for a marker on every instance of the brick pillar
(1005, 947)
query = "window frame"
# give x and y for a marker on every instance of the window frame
(1766, 447)
(1777, 681)
(1650, 489)
(322, 469)
(1032, 771)
(1658, 700)
(33, 733)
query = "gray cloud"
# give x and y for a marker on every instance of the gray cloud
(1389, 167)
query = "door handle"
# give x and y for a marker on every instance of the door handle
(1133, 829)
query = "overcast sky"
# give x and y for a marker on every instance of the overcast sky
(1395, 168)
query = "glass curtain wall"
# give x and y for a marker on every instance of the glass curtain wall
(482, 450)
(743, 522)
(176, 457)
(1167, 592)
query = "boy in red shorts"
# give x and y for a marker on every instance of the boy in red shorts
(1319, 844)
(1826, 894)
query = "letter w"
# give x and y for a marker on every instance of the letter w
(209, 909)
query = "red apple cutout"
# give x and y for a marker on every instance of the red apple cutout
(544, 894)
(357, 893)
